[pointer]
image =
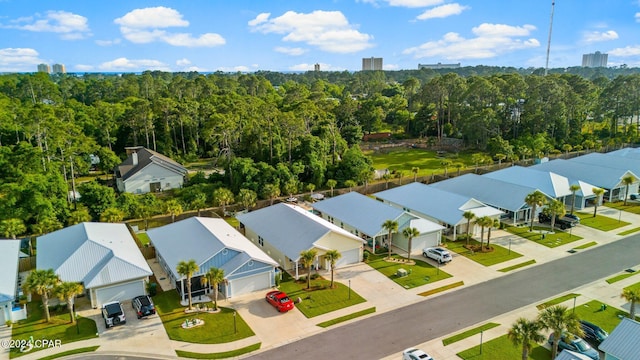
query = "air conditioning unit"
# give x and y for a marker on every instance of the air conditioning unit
(401, 273)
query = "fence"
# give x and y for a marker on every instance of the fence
(27, 263)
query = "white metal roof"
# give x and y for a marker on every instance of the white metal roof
(439, 204)
(548, 182)
(502, 194)
(289, 228)
(570, 355)
(610, 161)
(9, 250)
(633, 153)
(200, 238)
(606, 178)
(96, 254)
(623, 340)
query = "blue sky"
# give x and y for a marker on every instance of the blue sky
(293, 35)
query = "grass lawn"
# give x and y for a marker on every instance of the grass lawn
(558, 238)
(441, 289)
(71, 352)
(557, 300)
(417, 275)
(498, 255)
(635, 286)
(218, 328)
(607, 319)
(320, 299)
(60, 327)
(518, 266)
(632, 207)
(221, 355)
(347, 317)
(620, 277)
(468, 333)
(502, 348)
(630, 231)
(404, 159)
(144, 238)
(600, 222)
(587, 245)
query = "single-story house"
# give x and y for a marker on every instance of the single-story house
(212, 243)
(631, 153)
(437, 205)
(613, 162)
(609, 179)
(283, 231)
(146, 171)
(364, 216)
(622, 343)
(506, 196)
(570, 355)
(10, 291)
(103, 257)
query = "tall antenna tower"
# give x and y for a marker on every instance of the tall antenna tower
(546, 66)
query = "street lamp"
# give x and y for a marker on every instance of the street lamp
(349, 289)
(481, 342)
(235, 327)
(510, 246)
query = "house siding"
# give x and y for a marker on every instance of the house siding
(218, 260)
(274, 253)
(139, 183)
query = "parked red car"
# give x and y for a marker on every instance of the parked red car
(279, 300)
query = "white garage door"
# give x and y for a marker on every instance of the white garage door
(122, 292)
(2, 319)
(425, 241)
(349, 257)
(249, 284)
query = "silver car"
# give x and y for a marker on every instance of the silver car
(441, 255)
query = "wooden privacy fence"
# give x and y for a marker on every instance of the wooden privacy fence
(27, 263)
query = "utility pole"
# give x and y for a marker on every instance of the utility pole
(546, 67)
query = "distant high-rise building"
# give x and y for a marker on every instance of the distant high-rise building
(316, 67)
(596, 59)
(438, 66)
(44, 68)
(59, 69)
(372, 63)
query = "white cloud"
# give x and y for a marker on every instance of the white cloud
(142, 26)
(311, 67)
(390, 66)
(637, 16)
(239, 68)
(596, 36)
(70, 26)
(183, 62)
(443, 11)
(296, 51)
(19, 59)
(407, 3)
(327, 30)
(83, 67)
(626, 51)
(491, 40)
(124, 64)
(108, 42)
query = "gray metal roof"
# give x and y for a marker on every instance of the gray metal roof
(610, 161)
(360, 211)
(502, 194)
(439, 204)
(623, 341)
(201, 238)
(145, 157)
(96, 254)
(570, 355)
(548, 182)
(633, 153)
(606, 178)
(289, 228)
(9, 250)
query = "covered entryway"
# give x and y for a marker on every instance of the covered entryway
(121, 292)
(247, 284)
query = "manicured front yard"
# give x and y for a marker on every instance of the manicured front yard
(320, 298)
(557, 301)
(468, 333)
(632, 207)
(541, 236)
(635, 286)
(488, 258)
(601, 222)
(607, 319)
(417, 275)
(620, 277)
(502, 348)
(221, 327)
(60, 327)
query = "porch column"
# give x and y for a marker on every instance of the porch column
(297, 276)
(455, 232)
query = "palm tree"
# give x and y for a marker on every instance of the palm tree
(112, 215)
(523, 332)
(12, 227)
(410, 233)
(386, 178)
(187, 269)
(213, 277)
(350, 184)
(198, 202)
(332, 256)
(247, 198)
(271, 191)
(494, 223)
(415, 171)
(483, 222)
(469, 216)
(500, 157)
(555, 209)
(574, 188)
(173, 208)
(557, 319)
(627, 181)
(67, 292)
(42, 282)
(632, 296)
(307, 257)
(391, 226)
(445, 165)
(331, 184)
(311, 187)
(222, 197)
(399, 175)
(598, 192)
(534, 200)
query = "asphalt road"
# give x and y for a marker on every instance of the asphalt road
(391, 332)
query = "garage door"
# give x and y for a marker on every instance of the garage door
(425, 241)
(249, 284)
(122, 292)
(349, 257)
(2, 319)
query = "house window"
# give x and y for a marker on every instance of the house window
(260, 241)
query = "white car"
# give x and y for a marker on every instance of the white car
(415, 354)
(438, 254)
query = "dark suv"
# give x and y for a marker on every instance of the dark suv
(143, 306)
(593, 333)
(561, 222)
(113, 314)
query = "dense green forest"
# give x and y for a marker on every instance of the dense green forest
(278, 133)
